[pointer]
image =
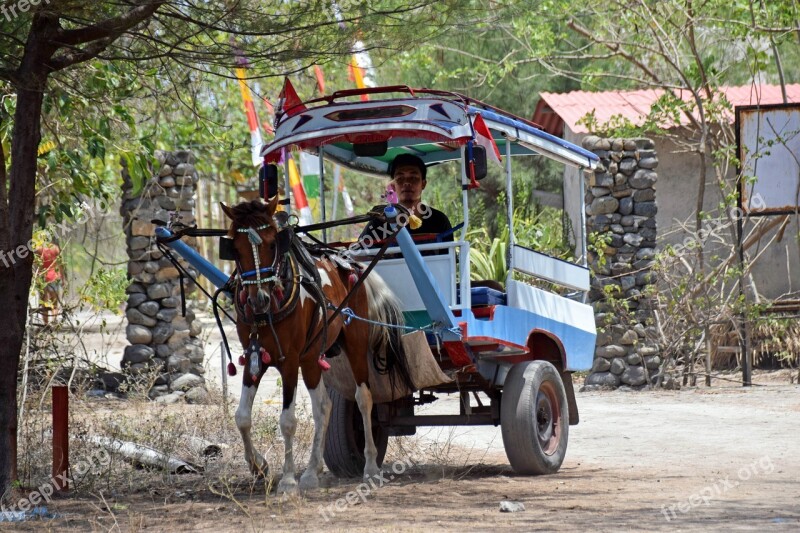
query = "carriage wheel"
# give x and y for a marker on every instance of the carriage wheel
(344, 442)
(534, 418)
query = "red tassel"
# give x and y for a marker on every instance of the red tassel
(323, 364)
(265, 358)
(242, 360)
(231, 369)
(278, 292)
(243, 297)
(352, 278)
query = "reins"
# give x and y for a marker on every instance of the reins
(298, 253)
(352, 291)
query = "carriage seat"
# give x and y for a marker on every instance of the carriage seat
(482, 296)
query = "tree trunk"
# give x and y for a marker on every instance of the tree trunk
(16, 228)
(16, 265)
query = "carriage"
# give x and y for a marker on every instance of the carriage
(506, 351)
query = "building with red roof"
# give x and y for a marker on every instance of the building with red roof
(777, 271)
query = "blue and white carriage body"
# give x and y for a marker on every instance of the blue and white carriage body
(497, 329)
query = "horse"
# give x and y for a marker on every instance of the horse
(284, 300)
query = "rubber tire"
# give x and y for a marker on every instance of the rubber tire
(527, 383)
(344, 441)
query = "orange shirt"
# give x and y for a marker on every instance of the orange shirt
(49, 255)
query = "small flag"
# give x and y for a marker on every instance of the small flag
(267, 123)
(320, 79)
(484, 138)
(252, 118)
(309, 169)
(289, 103)
(361, 69)
(348, 202)
(299, 194)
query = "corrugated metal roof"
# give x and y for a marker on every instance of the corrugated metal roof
(555, 110)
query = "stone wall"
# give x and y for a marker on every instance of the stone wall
(621, 209)
(162, 341)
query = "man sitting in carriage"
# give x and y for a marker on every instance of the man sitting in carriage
(408, 175)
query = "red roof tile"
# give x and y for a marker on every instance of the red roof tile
(555, 110)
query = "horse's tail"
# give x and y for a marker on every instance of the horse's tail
(386, 341)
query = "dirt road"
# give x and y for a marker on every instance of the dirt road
(724, 458)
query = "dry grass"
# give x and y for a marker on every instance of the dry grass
(162, 427)
(118, 496)
(774, 341)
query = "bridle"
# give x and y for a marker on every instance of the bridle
(271, 271)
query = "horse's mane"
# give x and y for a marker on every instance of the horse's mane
(251, 214)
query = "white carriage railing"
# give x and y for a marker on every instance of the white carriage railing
(549, 268)
(442, 267)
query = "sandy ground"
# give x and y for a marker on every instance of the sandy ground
(724, 458)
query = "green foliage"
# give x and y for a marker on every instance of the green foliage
(597, 243)
(488, 262)
(105, 290)
(543, 233)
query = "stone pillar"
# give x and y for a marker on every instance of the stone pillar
(161, 339)
(621, 209)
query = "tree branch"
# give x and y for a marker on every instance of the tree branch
(90, 51)
(614, 47)
(110, 28)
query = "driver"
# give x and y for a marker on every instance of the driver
(408, 174)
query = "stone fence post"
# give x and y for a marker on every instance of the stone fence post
(161, 339)
(621, 209)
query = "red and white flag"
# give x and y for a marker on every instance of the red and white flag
(483, 137)
(289, 103)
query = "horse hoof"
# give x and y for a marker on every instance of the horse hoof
(309, 481)
(372, 472)
(287, 486)
(260, 468)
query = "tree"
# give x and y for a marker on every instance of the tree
(481, 57)
(689, 50)
(52, 43)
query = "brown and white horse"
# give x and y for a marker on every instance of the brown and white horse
(281, 306)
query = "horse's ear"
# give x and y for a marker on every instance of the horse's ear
(272, 205)
(227, 210)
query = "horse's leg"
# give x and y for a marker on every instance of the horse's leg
(355, 336)
(364, 400)
(321, 408)
(288, 422)
(257, 464)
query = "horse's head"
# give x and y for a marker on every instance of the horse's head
(254, 233)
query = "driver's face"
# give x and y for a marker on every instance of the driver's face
(408, 184)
